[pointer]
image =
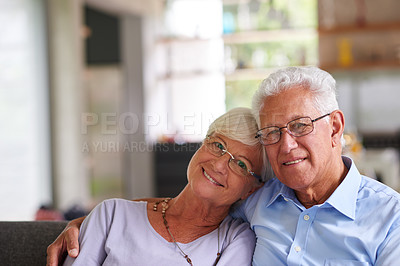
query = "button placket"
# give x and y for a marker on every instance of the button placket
(299, 244)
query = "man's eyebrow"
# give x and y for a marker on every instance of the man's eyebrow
(293, 117)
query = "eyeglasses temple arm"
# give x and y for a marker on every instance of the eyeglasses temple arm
(255, 175)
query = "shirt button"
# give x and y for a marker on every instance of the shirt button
(306, 217)
(297, 248)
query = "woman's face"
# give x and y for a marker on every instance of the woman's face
(214, 178)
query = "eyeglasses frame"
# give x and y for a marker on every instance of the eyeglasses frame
(258, 135)
(225, 151)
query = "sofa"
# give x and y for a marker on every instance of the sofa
(25, 243)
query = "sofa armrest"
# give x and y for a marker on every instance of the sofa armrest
(25, 243)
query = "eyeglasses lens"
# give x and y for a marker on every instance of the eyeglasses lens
(238, 167)
(300, 127)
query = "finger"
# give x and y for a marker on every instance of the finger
(51, 260)
(71, 238)
(53, 254)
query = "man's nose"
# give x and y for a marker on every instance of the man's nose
(287, 141)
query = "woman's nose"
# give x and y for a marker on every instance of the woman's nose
(221, 163)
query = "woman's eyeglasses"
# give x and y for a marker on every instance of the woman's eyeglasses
(240, 167)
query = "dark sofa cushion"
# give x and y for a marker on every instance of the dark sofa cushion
(25, 243)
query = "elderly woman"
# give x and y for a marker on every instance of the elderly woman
(193, 228)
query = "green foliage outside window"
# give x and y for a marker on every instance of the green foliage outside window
(267, 15)
(240, 93)
(275, 54)
(272, 15)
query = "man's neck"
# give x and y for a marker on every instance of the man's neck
(318, 195)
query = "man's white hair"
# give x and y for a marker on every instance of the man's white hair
(320, 83)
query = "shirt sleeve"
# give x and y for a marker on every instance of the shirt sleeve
(389, 252)
(245, 209)
(238, 211)
(240, 248)
(92, 237)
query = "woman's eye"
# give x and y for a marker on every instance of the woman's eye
(219, 145)
(242, 165)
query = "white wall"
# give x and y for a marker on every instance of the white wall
(370, 99)
(24, 118)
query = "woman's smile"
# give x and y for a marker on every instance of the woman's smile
(209, 178)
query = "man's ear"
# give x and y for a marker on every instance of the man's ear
(255, 188)
(337, 121)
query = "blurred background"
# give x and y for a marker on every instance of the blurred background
(103, 99)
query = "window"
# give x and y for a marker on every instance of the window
(260, 36)
(25, 131)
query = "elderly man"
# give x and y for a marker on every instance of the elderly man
(319, 210)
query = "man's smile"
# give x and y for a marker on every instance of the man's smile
(294, 161)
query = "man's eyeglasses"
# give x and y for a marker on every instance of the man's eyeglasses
(240, 167)
(298, 127)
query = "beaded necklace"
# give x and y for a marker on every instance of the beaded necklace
(164, 205)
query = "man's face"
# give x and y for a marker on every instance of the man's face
(301, 163)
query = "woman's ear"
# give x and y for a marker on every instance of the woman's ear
(337, 121)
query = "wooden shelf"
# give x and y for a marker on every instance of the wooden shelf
(189, 75)
(171, 40)
(363, 66)
(235, 2)
(394, 26)
(269, 36)
(249, 74)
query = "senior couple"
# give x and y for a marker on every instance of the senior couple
(315, 209)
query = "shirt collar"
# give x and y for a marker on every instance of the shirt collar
(344, 198)
(284, 192)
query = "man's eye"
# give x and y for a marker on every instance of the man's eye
(298, 127)
(273, 133)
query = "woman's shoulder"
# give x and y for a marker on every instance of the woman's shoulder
(122, 202)
(235, 226)
(116, 211)
(235, 230)
(117, 204)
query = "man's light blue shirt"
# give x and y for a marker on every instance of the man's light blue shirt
(358, 225)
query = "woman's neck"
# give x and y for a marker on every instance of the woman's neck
(199, 212)
(188, 217)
